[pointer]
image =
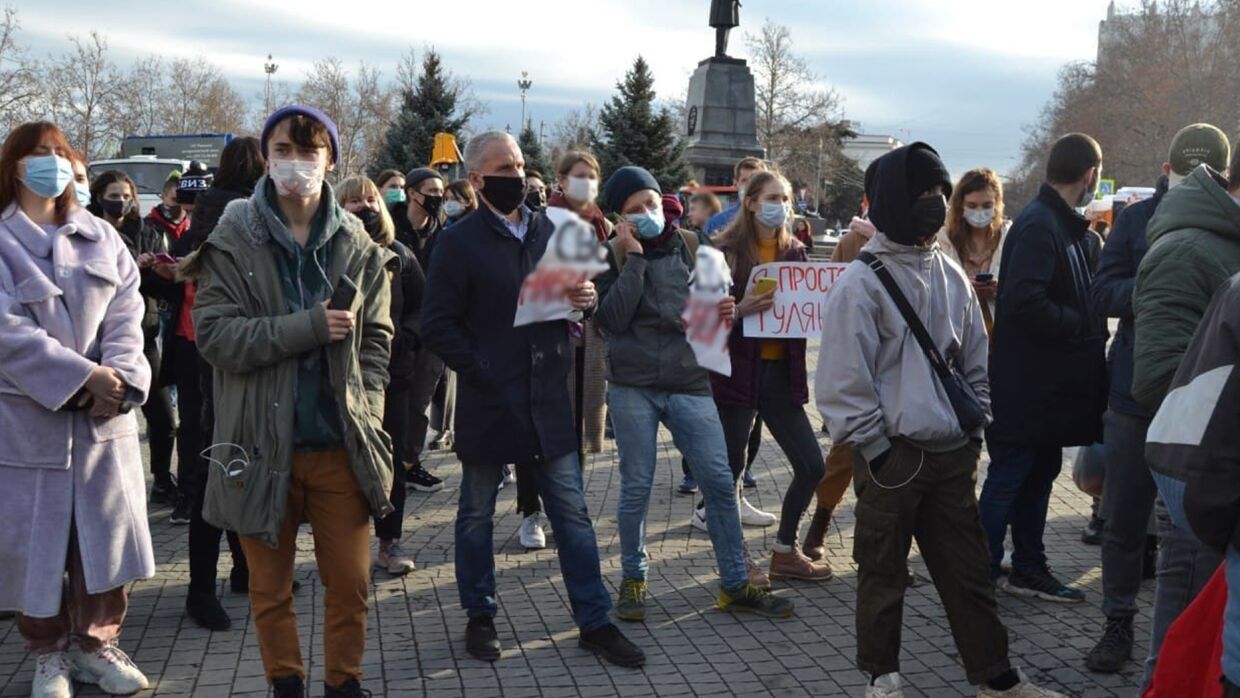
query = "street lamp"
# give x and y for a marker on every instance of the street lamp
(270, 68)
(524, 84)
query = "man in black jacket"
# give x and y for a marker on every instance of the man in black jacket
(1047, 366)
(1129, 490)
(512, 397)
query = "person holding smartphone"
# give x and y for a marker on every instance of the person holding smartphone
(974, 234)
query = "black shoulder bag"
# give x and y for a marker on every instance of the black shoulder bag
(968, 409)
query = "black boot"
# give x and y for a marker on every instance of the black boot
(813, 546)
(481, 640)
(349, 689)
(1149, 562)
(291, 687)
(1114, 649)
(1230, 690)
(239, 580)
(610, 644)
(205, 610)
(1092, 533)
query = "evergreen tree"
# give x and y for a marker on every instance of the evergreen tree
(632, 132)
(535, 157)
(435, 105)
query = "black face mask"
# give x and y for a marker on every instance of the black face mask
(172, 212)
(504, 193)
(928, 215)
(431, 204)
(370, 219)
(535, 200)
(116, 208)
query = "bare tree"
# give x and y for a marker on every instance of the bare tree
(144, 105)
(574, 128)
(84, 88)
(20, 86)
(789, 94)
(360, 108)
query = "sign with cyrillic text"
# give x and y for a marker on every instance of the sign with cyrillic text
(799, 297)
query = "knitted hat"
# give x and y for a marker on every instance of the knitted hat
(308, 112)
(194, 181)
(626, 182)
(1196, 145)
(420, 174)
(923, 169)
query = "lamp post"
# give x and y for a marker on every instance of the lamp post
(270, 68)
(524, 84)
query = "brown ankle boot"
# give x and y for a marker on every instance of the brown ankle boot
(813, 546)
(787, 562)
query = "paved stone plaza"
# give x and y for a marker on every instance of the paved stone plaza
(415, 646)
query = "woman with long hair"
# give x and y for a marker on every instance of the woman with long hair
(769, 376)
(359, 196)
(71, 370)
(974, 234)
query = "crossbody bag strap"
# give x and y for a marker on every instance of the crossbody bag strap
(910, 316)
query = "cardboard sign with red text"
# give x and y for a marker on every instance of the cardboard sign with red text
(705, 329)
(573, 256)
(799, 297)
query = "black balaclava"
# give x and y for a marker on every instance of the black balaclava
(900, 178)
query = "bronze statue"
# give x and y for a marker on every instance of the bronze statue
(724, 15)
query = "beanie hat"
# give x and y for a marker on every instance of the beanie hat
(420, 174)
(308, 112)
(626, 182)
(193, 182)
(923, 170)
(1199, 144)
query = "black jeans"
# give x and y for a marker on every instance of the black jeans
(395, 419)
(527, 489)
(427, 372)
(194, 432)
(160, 422)
(786, 419)
(937, 506)
(1127, 500)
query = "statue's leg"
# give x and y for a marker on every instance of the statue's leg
(721, 41)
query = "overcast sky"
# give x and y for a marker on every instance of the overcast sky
(967, 76)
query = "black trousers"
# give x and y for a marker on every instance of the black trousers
(395, 423)
(194, 432)
(160, 423)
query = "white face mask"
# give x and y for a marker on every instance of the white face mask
(1089, 194)
(979, 217)
(452, 209)
(582, 189)
(296, 178)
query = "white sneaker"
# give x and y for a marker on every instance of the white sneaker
(886, 686)
(51, 676)
(752, 516)
(532, 536)
(110, 669)
(698, 519)
(392, 557)
(1024, 689)
(1005, 565)
(510, 475)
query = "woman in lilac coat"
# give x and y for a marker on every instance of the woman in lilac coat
(72, 489)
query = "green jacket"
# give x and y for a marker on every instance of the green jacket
(246, 332)
(1194, 248)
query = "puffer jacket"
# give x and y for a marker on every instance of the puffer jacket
(639, 311)
(874, 382)
(247, 333)
(1194, 242)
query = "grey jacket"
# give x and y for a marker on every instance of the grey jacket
(874, 383)
(639, 313)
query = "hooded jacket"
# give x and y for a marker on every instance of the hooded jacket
(1194, 240)
(874, 382)
(1193, 436)
(1048, 373)
(247, 331)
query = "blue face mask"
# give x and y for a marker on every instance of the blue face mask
(48, 175)
(649, 224)
(83, 193)
(773, 215)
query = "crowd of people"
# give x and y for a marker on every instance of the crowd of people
(301, 344)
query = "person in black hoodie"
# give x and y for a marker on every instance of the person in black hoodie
(241, 164)
(1047, 366)
(114, 198)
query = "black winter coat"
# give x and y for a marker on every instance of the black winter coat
(140, 239)
(1048, 378)
(407, 291)
(512, 391)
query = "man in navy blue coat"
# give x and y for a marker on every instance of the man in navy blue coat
(512, 397)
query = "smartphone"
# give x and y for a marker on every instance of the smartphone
(342, 297)
(983, 278)
(765, 285)
(165, 258)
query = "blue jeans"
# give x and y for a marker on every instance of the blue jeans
(694, 423)
(559, 483)
(1231, 619)
(1017, 493)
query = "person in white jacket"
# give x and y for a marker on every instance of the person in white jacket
(915, 465)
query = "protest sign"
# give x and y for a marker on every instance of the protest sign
(706, 331)
(573, 256)
(799, 297)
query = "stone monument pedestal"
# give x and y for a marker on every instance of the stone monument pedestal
(721, 120)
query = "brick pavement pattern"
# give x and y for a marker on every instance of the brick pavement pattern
(415, 632)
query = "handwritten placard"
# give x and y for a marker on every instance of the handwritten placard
(706, 331)
(573, 256)
(799, 296)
